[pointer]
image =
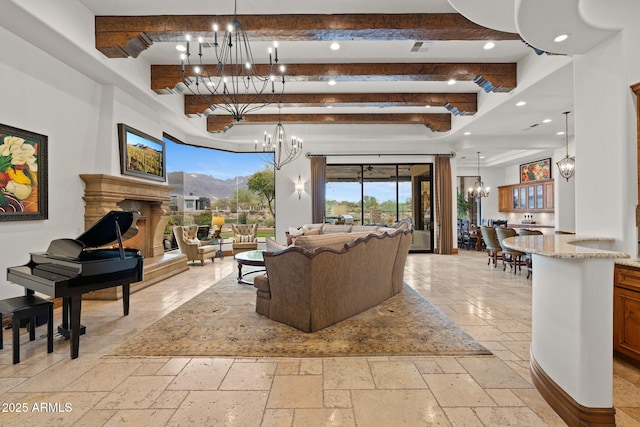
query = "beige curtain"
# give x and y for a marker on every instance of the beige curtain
(318, 178)
(444, 200)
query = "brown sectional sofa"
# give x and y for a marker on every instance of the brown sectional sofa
(324, 279)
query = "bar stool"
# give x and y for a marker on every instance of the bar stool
(27, 307)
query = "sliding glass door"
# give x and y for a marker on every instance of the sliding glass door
(382, 194)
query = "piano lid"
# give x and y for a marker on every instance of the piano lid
(103, 232)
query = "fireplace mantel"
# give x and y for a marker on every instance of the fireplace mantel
(106, 193)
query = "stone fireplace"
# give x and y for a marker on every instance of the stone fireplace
(105, 193)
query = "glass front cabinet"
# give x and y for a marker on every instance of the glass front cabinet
(534, 196)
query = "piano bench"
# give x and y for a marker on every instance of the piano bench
(27, 308)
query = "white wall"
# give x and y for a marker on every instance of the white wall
(42, 95)
(605, 143)
(79, 118)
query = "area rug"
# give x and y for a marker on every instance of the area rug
(221, 321)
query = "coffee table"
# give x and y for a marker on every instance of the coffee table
(252, 258)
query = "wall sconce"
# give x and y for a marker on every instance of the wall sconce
(299, 187)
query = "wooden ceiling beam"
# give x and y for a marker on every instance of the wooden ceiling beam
(436, 122)
(464, 103)
(124, 36)
(501, 77)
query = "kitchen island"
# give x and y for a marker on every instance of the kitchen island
(572, 324)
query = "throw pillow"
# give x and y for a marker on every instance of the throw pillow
(243, 238)
(293, 233)
(273, 246)
(192, 241)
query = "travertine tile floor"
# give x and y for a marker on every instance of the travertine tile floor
(101, 390)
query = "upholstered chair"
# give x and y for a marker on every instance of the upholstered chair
(194, 249)
(245, 237)
(515, 259)
(492, 245)
(527, 258)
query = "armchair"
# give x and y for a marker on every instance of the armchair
(245, 237)
(194, 249)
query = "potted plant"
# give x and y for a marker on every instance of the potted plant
(463, 206)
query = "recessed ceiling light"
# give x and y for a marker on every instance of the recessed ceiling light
(181, 48)
(451, 81)
(468, 133)
(520, 103)
(335, 46)
(489, 45)
(332, 82)
(546, 121)
(482, 157)
(329, 106)
(427, 106)
(561, 38)
(560, 133)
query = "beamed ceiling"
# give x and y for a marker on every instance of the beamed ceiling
(123, 36)
(392, 68)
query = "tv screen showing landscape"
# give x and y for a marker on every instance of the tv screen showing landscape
(141, 155)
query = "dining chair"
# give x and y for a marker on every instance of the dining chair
(491, 244)
(515, 259)
(527, 258)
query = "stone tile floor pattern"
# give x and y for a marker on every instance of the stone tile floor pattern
(99, 390)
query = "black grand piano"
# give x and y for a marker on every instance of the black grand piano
(72, 267)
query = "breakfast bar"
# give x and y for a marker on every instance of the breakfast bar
(572, 324)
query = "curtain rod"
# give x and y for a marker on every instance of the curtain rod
(451, 154)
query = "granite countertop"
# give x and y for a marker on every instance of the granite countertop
(520, 225)
(564, 246)
(629, 262)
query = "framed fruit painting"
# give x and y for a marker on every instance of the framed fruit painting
(534, 171)
(23, 175)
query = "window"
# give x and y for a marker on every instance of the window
(381, 194)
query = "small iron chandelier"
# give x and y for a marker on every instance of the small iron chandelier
(479, 190)
(566, 166)
(234, 84)
(284, 151)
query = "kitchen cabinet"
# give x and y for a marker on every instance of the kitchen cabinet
(534, 196)
(626, 311)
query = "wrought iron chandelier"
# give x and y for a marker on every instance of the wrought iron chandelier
(284, 150)
(479, 190)
(566, 166)
(234, 83)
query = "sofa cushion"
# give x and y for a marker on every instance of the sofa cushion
(206, 249)
(297, 232)
(312, 232)
(333, 241)
(331, 228)
(364, 228)
(387, 230)
(313, 226)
